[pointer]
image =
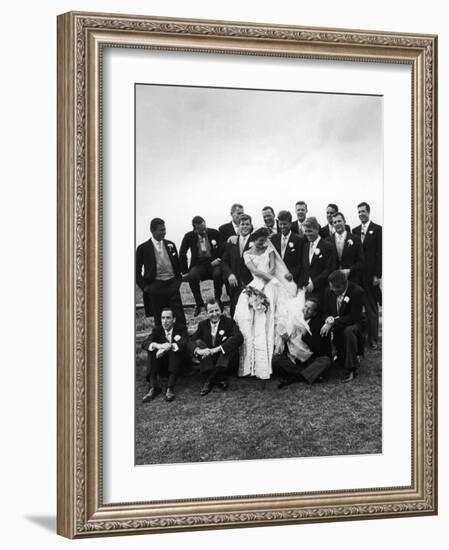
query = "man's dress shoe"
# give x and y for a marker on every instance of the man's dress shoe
(152, 393)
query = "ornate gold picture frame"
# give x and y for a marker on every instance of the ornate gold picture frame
(82, 40)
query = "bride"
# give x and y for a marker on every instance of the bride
(269, 310)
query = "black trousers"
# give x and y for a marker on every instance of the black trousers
(310, 370)
(169, 364)
(162, 294)
(373, 298)
(217, 367)
(347, 341)
(204, 272)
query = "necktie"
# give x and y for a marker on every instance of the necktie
(362, 235)
(284, 245)
(339, 301)
(340, 245)
(242, 245)
(310, 253)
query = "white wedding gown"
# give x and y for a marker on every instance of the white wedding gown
(263, 329)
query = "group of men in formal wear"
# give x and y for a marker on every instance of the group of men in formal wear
(339, 269)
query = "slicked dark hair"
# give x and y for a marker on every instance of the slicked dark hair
(333, 206)
(285, 216)
(366, 205)
(339, 214)
(197, 220)
(155, 223)
(268, 208)
(213, 301)
(337, 278)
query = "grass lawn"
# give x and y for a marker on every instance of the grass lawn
(254, 419)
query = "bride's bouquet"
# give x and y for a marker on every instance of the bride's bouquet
(257, 300)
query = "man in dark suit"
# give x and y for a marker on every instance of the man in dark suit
(161, 277)
(348, 249)
(371, 236)
(233, 266)
(301, 215)
(269, 220)
(216, 343)
(318, 260)
(232, 228)
(288, 245)
(320, 346)
(166, 347)
(328, 230)
(206, 249)
(343, 306)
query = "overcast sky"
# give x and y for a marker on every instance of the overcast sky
(198, 150)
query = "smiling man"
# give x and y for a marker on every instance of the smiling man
(348, 249)
(370, 234)
(216, 344)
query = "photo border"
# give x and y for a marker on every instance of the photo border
(81, 39)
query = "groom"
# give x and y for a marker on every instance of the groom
(289, 245)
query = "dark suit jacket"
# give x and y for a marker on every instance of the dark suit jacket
(321, 266)
(226, 230)
(351, 307)
(234, 263)
(228, 336)
(157, 335)
(295, 229)
(293, 252)
(352, 257)
(372, 248)
(190, 242)
(145, 257)
(325, 233)
(319, 345)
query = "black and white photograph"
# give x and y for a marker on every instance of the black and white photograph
(258, 234)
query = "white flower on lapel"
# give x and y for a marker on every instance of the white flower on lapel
(371, 232)
(213, 242)
(224, 338)
(291, 245)
(170, 245)
(221, 332)
(346, 299)
(350, 242)
(317, 251)
(177, 338)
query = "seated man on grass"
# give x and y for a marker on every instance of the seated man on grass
(166, 347)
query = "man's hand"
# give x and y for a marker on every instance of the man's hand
(233, 282)
(346, 272)
(215, 262)
(289, 277)
(309, 288)
(376, 281)
(233, 239)
(325, 329)
(205, 352)
(160, 352)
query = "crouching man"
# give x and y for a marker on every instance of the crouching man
(166, 347)
(313, 369)
(216, 344)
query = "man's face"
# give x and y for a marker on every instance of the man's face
(236, 214)
(245, 228)
(311, 233)
(301, 212)
(201, 229)
(167, 320)
(309, 310)
(330, 214)
(160, 232)
(337, 289)
(339, 224)
(268, 217)
(213, 312)
(284, 227)
(363, 214)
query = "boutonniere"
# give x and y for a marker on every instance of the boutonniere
(346, 299)
(371, 232)
(170, 246)
(317, 251)
(291, 245)
(350, 242)
(213, 242)
(224, 338)
(177, 338)
(221, 332)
